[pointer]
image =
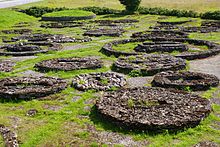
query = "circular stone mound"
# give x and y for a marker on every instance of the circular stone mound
(104, 32)
(6, 66)
(17, 31)
(116, 21)
(183, 80)
(21, 50)
(62, 24)
(149, 108)
(68, 64)
(68, 15)
(99, 81)
(148, 64)
(30, 87)
(160, 33)
(164, 46)
(202, 29)
(211, 24)
(173, 22)
(50, 38)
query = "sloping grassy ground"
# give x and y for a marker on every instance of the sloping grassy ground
(62, 121)
(196, 5)
(69, 13)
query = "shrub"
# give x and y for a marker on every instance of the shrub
(39, 11)
(211, 15)
(130, 5)
(100, 11)
(167, 12)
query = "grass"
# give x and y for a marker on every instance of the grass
(67, 125)
(69, 13)
(10, 18)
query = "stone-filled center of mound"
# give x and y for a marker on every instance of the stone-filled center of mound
(99, 81)
(104, 32)
(183, 80)
(149, 108)
(67, 64)
(163, 46)
(30, 87)
(148, 64)
(68, 15)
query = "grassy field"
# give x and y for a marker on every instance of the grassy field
(63, 121)
(196, 5)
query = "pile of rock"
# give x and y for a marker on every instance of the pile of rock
(148, 64)
(184, 80)
(30, 87)
(6, 66)
(149, 108)
(99, 81)
(68, 64)
(163, 46)
(9, 137)
(104, 32)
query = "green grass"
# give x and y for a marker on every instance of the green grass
(10, 18)
(69, 13)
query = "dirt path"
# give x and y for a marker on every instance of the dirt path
(210, 65)
(11, 3)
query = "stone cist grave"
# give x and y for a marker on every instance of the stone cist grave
(163, 46)
(104, 32)
(30, 87)
(149, 108)
(68, 64)
(183, 80)
(99, 81)
(148, 64)
(6, 66)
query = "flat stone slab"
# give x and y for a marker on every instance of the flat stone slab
(139, 81)
(209, 65)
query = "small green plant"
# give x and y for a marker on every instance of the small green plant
(113, 88)
(135, 73)
(188, 88)
(131, 103)
(82, 82)
(104, 81)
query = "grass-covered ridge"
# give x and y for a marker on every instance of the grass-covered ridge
(9, 18)
(69, 13)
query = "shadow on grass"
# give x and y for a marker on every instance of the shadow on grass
(99, 120)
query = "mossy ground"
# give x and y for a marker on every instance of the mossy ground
(62, 121)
